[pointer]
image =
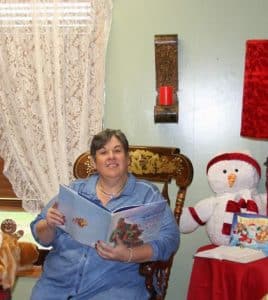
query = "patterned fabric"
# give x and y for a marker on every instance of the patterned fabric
(255, 97)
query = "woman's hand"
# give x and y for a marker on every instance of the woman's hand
(46, 228)
(54, 217)
(120, 252)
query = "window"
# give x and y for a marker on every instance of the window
(24, 14)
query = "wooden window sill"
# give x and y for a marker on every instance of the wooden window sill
(34, 272)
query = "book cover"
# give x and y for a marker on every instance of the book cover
(232, 253)
(251, 231)
(88, 222)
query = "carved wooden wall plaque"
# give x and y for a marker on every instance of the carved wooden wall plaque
(166, 68)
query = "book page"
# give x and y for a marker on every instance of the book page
(137, 225)
(232, 253)
(85, 221)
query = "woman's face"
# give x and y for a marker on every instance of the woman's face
(111, 160)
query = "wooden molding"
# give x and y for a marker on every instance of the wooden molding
(13, 204)
(8, 199)
(33, 272)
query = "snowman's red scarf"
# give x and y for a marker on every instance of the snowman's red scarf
(235, 207)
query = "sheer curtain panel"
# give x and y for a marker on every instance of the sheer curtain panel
(52, 67)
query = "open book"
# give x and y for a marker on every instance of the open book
(87, 222)
(232, 253)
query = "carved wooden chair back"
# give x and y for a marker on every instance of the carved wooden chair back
(159, 165)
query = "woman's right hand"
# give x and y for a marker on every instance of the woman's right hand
(54, 217)
(46, 228)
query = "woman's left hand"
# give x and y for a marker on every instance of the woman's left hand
(120, 252)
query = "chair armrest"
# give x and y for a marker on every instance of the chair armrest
(156, 275)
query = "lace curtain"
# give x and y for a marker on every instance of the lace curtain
(52, 63)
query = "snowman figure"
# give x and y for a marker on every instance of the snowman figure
(233, 177)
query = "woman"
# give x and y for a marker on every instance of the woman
(76, 271)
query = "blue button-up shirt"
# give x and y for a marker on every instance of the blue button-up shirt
(75, 271)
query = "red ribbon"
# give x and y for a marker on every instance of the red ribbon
(249, 205)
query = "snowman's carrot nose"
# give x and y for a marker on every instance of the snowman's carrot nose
(231, 179)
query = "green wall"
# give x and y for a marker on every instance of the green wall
(212, 35)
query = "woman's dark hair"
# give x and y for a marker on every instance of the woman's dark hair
(101, 138)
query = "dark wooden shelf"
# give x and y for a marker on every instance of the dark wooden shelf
(166, 113)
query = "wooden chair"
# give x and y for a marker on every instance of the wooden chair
(159, 165)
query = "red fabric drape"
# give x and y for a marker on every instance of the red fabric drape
(5, 294)
(213, 279)
(254, 122)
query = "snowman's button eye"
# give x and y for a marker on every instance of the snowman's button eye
(224, 171)
(236, 170)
